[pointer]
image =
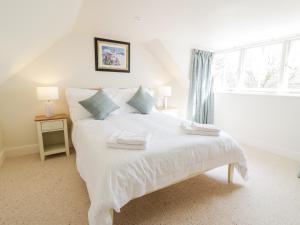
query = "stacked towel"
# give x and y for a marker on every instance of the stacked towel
(200, 129)
(128, 140)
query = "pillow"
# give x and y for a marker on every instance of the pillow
(142, 101)
(118, 95)
(99, 105)
(121, 96)
(74, 96)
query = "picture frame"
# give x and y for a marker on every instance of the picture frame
(112, 55)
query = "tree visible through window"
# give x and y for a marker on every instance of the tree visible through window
(262, 67)
(226, 69)
(293, 66)
(269, 67)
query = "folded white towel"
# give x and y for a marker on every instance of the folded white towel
(189, 129)
(131, 138)
(204, 127)
(124, 146)
(204, 133)
(113, 143)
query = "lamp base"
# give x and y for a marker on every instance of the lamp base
(49, 109)
(165, 102)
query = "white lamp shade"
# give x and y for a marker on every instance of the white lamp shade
(165, 91)
(47, 93)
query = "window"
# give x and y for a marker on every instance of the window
(226, 69)
(268, 67)
(292, 70)
(262, 67)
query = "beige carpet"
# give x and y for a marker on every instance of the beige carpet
(51, 193)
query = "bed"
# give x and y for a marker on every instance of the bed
(114, 177)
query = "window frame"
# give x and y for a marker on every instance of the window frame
(282, 86)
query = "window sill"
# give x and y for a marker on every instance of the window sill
(260, 93)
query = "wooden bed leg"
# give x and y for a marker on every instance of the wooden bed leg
(230, 172)
(111, 212)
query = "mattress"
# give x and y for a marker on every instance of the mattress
(114, 176)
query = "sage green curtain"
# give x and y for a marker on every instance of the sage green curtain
(201, 97)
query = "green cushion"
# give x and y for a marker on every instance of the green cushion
(142, 101)
(99, 105)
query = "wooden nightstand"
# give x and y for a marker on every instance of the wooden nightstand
(52, 134)
(171, 111)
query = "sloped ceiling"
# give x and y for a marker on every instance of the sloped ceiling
(177, 26)
(213, 24)
(30, 27)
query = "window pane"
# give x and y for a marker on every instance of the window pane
(262, 67)
(217, 71)
(226, 67)
(231, 70)
(293, 66)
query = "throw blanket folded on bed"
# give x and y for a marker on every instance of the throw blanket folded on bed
(200, 129)
(128, 140)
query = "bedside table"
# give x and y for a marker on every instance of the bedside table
(52, 135)
(171, 111)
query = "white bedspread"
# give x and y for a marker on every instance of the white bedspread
(114, 177)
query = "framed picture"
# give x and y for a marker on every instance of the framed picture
(111, 55)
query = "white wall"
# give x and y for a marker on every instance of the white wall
(269, 123)
(69, 63)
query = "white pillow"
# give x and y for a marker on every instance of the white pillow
(74, 96)
(121, 96)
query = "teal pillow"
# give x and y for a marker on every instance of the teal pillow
(142, 101)
(99, 105)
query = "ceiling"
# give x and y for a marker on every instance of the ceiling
(30, 27)
(213, 24)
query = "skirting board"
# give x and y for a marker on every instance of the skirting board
(285, 152)
(2, 157)
(21, 150)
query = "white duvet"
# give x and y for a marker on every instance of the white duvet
(114, 177)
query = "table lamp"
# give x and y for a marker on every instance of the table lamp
(47, 94)
(165, 91)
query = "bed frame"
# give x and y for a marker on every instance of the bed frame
(229, 179)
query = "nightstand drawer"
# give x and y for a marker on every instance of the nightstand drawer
(52, 125)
